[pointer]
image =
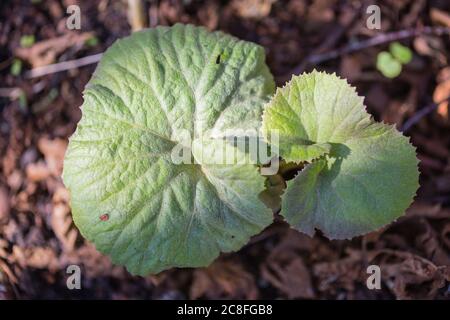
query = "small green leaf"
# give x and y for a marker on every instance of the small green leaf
(388, 65)
(400, 52)
(16, 67)
(92, 41)
(271, 196)
(23, 102)
(366, 180)
(148, 91)
(27, 41)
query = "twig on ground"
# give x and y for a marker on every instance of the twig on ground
(420, 114)
(62, 66)
(11, 93)
(329, 42)
(375, 41)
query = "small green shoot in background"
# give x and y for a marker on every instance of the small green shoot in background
(27, 41)
(16, 67)
(92, 41)
(23, 101)
(390, 63)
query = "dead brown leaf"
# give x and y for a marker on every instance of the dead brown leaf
(423, 209)
(53, 151)
(340, 274)
(252, 9)
(37, 171)
(223, 279)
(61, 220)
(5, 205)
(209, 15)
(440, 17)
(410, 276)
(429, 242)
(445, 235)
(442, 92)
(321, 11)
(36, 257)
(431, 46)
(93, 263)
(290, 275)
(285, 269)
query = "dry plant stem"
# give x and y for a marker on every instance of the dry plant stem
(137, 15)
(138, 20)
(62, 66)
(12, 93)
(375, 41)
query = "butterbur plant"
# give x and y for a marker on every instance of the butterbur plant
(210, 96)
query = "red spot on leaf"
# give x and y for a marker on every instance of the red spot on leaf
(104, 217)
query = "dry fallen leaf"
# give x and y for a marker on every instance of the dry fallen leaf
(321, 11)
(61, 220)
(290, 276)
(440, 17)
(431, 46)
(93, 263)
(37, 171)
(223, 279)
(4, 205)
(36, 257)
(62, 225)
(428, 241)
(339, 274)
(208, 15)
(286, 270)
(423, 209)
(53, 151)
(252, 9)
(410, 276)
(442, 92)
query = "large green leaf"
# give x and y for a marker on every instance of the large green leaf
(149, 94)
(366, 180)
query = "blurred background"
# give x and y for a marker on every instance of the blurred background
(401, 68)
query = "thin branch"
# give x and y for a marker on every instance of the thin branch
(375, 41)
(422, 113)
(11, 93)
(329, 41)
(62, 66)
